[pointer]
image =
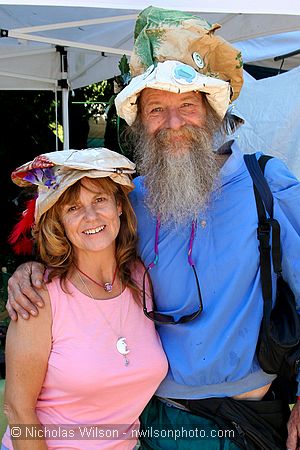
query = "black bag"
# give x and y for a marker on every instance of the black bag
(256, 425)
(278, 347)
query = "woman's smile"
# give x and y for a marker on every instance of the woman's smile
(94, 230)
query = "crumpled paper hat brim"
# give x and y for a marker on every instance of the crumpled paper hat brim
(46, 199)
(55, 172)
(162, 77)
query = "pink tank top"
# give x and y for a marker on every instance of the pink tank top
(87, 382)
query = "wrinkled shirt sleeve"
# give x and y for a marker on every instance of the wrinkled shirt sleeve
(286, 191)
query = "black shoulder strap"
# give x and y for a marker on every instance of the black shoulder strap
(261, 187)
(264, 201)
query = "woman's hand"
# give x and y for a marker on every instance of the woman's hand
(25, 289)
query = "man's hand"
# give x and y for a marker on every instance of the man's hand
(23, 290)
(294, 428)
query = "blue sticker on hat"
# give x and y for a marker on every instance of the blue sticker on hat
(184, 74)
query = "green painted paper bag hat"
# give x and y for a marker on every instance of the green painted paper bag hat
(179, 52)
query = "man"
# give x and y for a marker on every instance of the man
(197, 225)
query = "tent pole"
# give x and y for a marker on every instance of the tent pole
(56, 121)
(65, 116)
(64, 85)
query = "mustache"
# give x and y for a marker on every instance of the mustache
(186, 136)
(183, 132)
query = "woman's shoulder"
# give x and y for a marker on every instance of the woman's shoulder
(54, 283)
(37, 324)
(59, 290)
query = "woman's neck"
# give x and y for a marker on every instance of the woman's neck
(90, 274)
(100, 266)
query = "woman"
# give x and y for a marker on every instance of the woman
(91, 357)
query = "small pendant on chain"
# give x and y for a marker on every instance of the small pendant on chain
(107, 287)
(123, 349)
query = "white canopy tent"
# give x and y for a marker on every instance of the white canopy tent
(33, 29)
(79, 42)
(234, 6)
(271, 110)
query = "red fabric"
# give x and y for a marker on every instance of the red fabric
(20, 238)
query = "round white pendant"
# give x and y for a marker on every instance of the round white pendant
(122, 346)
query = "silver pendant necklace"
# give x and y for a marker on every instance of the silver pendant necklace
(121, 343)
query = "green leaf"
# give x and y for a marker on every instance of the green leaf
(124, 65)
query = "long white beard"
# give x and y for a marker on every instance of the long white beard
(180, 175)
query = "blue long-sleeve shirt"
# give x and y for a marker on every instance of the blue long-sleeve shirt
(214, 355)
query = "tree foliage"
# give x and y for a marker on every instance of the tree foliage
(25, 132)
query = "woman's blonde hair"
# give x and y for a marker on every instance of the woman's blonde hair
(55, 250)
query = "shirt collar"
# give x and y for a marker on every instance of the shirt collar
(235, 160)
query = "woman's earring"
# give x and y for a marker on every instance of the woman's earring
(120, 213)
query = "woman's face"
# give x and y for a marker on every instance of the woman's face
(92, 223)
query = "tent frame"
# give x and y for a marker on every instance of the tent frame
(59, 45)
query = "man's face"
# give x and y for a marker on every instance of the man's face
(162, 110)
(173, 143)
